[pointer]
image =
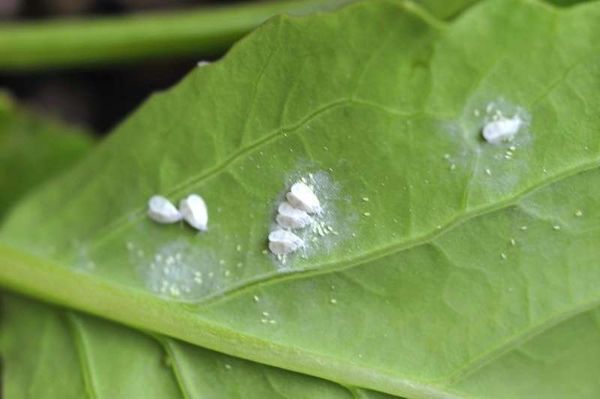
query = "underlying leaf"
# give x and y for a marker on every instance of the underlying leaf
(33, 149)
(460, 253)
(54, 353)
(447, 8)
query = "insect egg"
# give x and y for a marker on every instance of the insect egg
(194, 211)
(162, 210)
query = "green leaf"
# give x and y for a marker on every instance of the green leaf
(463, 250)
(33, 149)
(55, 353)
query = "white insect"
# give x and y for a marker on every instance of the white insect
(282, 242)
(194, 211)
(302, 197)
(501, 129)
(292, 218)
(162, 210)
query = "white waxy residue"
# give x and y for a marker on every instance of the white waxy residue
(162, 210)
(501, 129)
(302, 197)
(292, 218)
(283, 242)
(194, 211)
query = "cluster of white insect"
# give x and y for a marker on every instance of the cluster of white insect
(501, 128)
(192, 209)
(293, 213)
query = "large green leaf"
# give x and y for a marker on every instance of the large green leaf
(458, 256)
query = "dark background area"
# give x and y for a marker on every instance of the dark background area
(94, 97)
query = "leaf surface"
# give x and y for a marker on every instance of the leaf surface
(448, 251)
(33, 149)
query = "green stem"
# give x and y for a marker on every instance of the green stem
(65, 43)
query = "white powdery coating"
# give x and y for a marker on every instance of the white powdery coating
(502, 129)
(292, 218)
(282, 242)
(302, 197)
(162, 210)
(194, 211)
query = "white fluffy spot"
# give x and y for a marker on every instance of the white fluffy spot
(282, 242)
(302, 197)
(501, 129)
(162, 210)
(292, 218)
(194, 211)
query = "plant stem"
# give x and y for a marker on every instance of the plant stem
(73, 42)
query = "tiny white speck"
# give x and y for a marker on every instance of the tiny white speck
(579, 213)
(513, 242)
(366, 199)
(255, 298)
(523, 228)
(367, 213)
(222, 262)
(227, 273)
(488, 172)
(333, 301)
(238, 248)
(503, 256)
(228, 366)
(556, 227)
(266, 314)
